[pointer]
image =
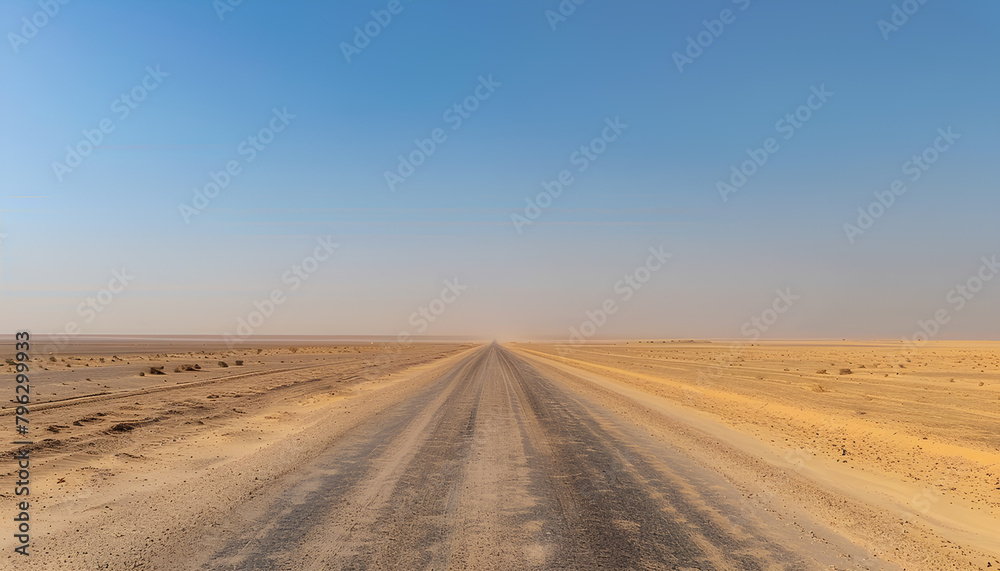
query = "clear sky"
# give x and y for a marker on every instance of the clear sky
(184, 89)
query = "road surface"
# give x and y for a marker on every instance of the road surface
(495, 465)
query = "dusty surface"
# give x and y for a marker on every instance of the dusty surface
(898, 448)
(117, 455)
(659, 456)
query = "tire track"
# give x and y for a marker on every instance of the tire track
(106, 396)
(495, 465)
(337, 500)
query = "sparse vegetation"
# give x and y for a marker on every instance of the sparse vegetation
(122, 427)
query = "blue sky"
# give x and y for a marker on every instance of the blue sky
(655, 184)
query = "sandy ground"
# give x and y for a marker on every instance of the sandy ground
(898, 448)
(639, 455)
(115, 452)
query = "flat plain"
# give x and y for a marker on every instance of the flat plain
(652, 455)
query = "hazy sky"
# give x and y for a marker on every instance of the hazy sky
(184, 89)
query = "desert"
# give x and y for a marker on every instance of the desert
(848, 455)
(517, 285)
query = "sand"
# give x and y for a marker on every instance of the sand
(910, 434)
(895, 449)
(116, 446)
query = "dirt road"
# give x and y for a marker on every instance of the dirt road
(495, 465)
